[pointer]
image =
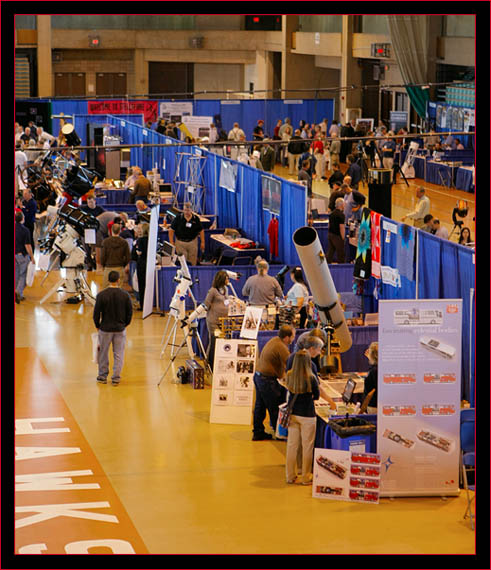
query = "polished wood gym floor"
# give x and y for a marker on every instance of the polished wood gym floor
(176, 483)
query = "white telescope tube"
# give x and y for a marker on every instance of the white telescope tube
(321, 285)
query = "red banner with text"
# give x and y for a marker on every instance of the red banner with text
(122, 107)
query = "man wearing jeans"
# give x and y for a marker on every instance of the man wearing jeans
(269, 392)
(23, 254)
(112, 314)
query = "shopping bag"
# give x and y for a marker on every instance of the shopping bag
(31, 270)
(285, 411)
(95, 346)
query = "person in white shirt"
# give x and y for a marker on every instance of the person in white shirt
(439, 230)
(213, 134)
(235, 135)
(334, 129)
(422, 208)
(298, 295)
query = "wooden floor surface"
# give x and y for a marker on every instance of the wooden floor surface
(188, 486)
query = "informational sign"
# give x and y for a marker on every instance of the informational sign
(151, 258)
(271, 193)
(398, 120)
(346, 476)
(175, 110)
(251, 322)
(228, 175)
(233, 381)
(418, 412)
(199, 127)
(364, 124)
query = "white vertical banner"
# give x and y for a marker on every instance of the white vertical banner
(418, 411)
(151, 256)
(233, 381)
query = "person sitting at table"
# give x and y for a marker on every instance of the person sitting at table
(185, 228)
(465, 236)
(371, 380)
(459, 145)
(303, 385)
(262, 289)
(91, 207)
(131, 177)
(298, 295)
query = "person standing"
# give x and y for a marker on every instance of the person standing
(371, 379)
(29, 208)
(262, 289)
(91, 207)
(354, 171)
(296, 146)
(141, 189)
(23, 254)
(298, 295)
(185, 228)
(304, 176)
(422, 208)
(335, 236)
(388, 151)
(258, 132)
(112, 315)
(115, 254)
(140, 250)
(234, 135)
(216, 303)
(267, 156)
(303, 389)
(269, 392)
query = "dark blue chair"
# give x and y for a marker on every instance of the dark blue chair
(468, 458)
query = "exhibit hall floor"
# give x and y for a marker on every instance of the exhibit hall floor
(139, 468)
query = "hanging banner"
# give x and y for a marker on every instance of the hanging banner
(363, 259)
(233, 381)
(376, 248)
(418, 412)
(123, 107)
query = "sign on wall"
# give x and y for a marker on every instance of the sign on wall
(175, 110)
(199, 127)
(418, 412)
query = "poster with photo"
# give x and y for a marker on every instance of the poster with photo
(175, 111)
(233, 381)
(419, 396)
(251, 322)
(197, 125)
(228, 175)
(346, 476)
(271, 193)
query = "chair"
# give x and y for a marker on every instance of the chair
(242, 260)
(468, 460)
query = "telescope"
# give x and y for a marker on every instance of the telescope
(321, 285)
(280, 276)
(233, 275)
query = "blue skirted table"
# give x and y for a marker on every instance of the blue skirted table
(463, 179)
(440, 173)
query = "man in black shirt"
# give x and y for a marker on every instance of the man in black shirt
(338, 191)
(92, 208)
(112, 314)
(335, 236)
(336, 176)
(186, 228)
(23, 253)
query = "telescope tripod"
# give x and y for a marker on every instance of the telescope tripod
(73, 282)
(190, 332)
(397, 169)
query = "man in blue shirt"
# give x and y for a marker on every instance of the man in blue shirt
(354, 171)
(388, 150)
(29, 209)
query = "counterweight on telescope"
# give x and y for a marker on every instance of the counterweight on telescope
(321, 285)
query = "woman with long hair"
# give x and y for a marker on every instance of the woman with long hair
(302, 385)
(216, 303)
(465, 236)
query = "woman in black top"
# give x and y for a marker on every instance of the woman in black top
(302, 385)
(140, 256)
(371, 380)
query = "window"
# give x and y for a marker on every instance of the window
(459, 26)
(323, 24)
(124, 22)
(374, 25)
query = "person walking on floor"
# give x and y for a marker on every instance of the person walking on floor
(269, 392)
(336, 232)
(112, 315)
(23, 254)
(421, 210)
(140, 256)
(115, 254)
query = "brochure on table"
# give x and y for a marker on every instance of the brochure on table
(233, 381)
(418, 413)
(346, 476)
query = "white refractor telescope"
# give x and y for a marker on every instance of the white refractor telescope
(321, 285)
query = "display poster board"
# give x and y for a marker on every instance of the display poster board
(199, 127)
(271, 193)
(151, 258)
(175, 110)
(346, 476)
(251, 322)
(365, 124)
(233, 381)
(228, 175)
(418, 412)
